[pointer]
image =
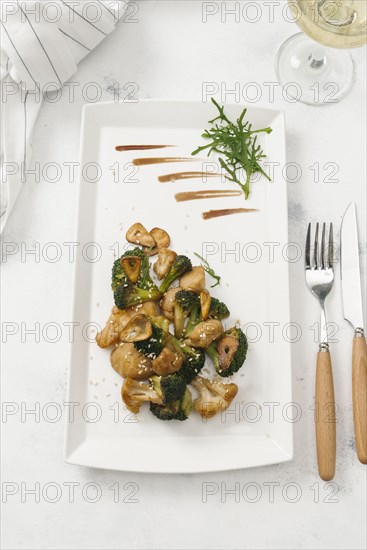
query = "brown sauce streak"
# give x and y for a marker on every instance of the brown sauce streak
(140, 147)
(226, 212)
(160, 160)
(208, 194)
(185, 176)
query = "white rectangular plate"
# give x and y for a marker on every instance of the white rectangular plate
(255, 286)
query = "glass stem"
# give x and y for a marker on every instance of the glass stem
(317, 58)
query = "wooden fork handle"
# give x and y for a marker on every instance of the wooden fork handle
(359, 385)
(325, 420)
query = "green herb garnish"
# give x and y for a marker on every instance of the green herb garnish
(209, 270)
(237, 142)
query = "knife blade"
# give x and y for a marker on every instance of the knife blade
(353, 313)
(350, 270)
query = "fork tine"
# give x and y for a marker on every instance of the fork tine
(316, 250)
(308, 248)
(331, 248)
(323, 246)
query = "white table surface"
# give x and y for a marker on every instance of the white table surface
(169, 53)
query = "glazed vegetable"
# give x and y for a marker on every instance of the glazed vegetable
(177, 410)
(167, 362)
(151, 309)
(127, 295)
(128, 362)
(229, 354)
(138, 329)
(169, 301)
(137, 234)
(145, 281)
(215, 396)
(205, 333)
(132, 267)
(194, 280)
(119, 275)
(218, 310)
(152, 346)
(161, 237)
(169, 388)
(193, 359)
(135, 393)
(160, 336)
(205, 301)
(185, 301)
(180, 266)
(164, 263)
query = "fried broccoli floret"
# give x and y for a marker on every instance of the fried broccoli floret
(169, 388)
(192, 366)
(185, 302)
(229, 354)
(177, 410)
(194, 359)
(127, 295)
(181, 265)
(118, 274)
(194, 318)
(134, 393)
(145, 281)
(153, 346)
(218, 310)
(215, 396)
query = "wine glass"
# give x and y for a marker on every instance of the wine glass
(315, 72)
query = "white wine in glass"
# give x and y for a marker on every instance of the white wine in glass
(314, 71)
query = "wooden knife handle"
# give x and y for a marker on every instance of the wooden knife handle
(325, 419)
(359, 384)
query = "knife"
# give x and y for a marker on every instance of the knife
(352, 306)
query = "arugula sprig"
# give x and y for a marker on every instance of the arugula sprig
(237, 143)
(209, 270)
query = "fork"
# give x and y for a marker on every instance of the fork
(320, 279)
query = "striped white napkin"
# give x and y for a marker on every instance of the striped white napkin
(41, 43)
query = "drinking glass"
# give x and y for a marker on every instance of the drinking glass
(316, 67)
